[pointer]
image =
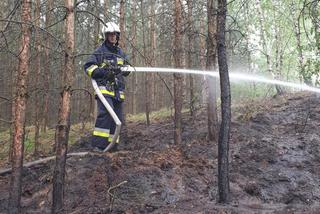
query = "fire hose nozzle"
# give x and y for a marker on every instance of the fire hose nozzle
(127, 68)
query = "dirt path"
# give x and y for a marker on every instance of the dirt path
(275, 168)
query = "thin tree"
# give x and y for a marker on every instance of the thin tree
(122, 24)
(96, 23)
(20, 111)
(63, 127)
(152, 54)
(178, 78)
(224, 134)
(190, 52)
(46, 76)
(297, 32)
(263, 34)
(134, 36)
(37, 82)
(202, 58)
(211, 65)
(146, 80)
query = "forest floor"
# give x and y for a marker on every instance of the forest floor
(274, 166)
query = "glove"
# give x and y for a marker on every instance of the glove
(98, 73)
(109, 74)
(116, 70)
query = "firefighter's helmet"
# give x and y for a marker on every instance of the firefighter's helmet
(110, 27)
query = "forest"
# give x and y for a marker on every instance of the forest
(220, 113)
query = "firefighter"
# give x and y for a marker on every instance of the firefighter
(104, 65)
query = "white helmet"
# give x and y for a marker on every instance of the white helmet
(110, 27)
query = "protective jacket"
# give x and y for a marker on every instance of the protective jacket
(99, 67)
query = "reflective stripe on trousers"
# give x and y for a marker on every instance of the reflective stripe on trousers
(104, 90)
(105, 126)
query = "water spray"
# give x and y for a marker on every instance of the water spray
(233, 76)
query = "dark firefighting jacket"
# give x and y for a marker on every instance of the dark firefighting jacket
(99, 67)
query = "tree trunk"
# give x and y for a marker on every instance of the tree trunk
(124, 128)
(63, 127)
(37, 82)
(96, 24)
(147, 79)
(122, 25)
(106, 11)
(190, 52)
(211, 65)
(278, 53)
(178, 78)
(133, 56)
(297, 33)
(224, 134)
(19, 112)
(46, 85)
(152, 88)
(264, 42)
(202, 53)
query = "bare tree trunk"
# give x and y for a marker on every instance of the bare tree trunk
(178, 78)
(96, 23)
(224, 134)
(147, 81)
(202, 52)
(152, 55)
(297, 33)
(63, 127)
(133, 56)
(123, 46)
(106, 10)
(264, 42)
(211, 65)
(278, 53)
(37, 82)
(190, 52)
(19, 112)
(47, 63)
(122, 24)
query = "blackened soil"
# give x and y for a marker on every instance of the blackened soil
(274, 167)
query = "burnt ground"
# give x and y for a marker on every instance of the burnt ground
(274, 167)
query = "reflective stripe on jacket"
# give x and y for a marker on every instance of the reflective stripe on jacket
(97, 66)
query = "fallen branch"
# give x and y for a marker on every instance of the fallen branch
(112, 195)
(44, 160)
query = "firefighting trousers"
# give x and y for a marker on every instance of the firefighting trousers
(105, 126)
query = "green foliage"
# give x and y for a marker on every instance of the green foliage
(289, 28)
(28, 145)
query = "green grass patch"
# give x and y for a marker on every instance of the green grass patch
(155, 115)
(46, 139)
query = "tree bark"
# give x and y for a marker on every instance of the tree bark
(190, 52)
(19, 112)
(122, 24)
(96, 24)
(146, 76)
(152, 55)
(211, 65)
(297, 33)
(264, 43)
(178, 78)
(46, 77)
(37, 75)
(106, 10)
(202, 53)
(133, 56)
(63, 127)
(224, 134)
